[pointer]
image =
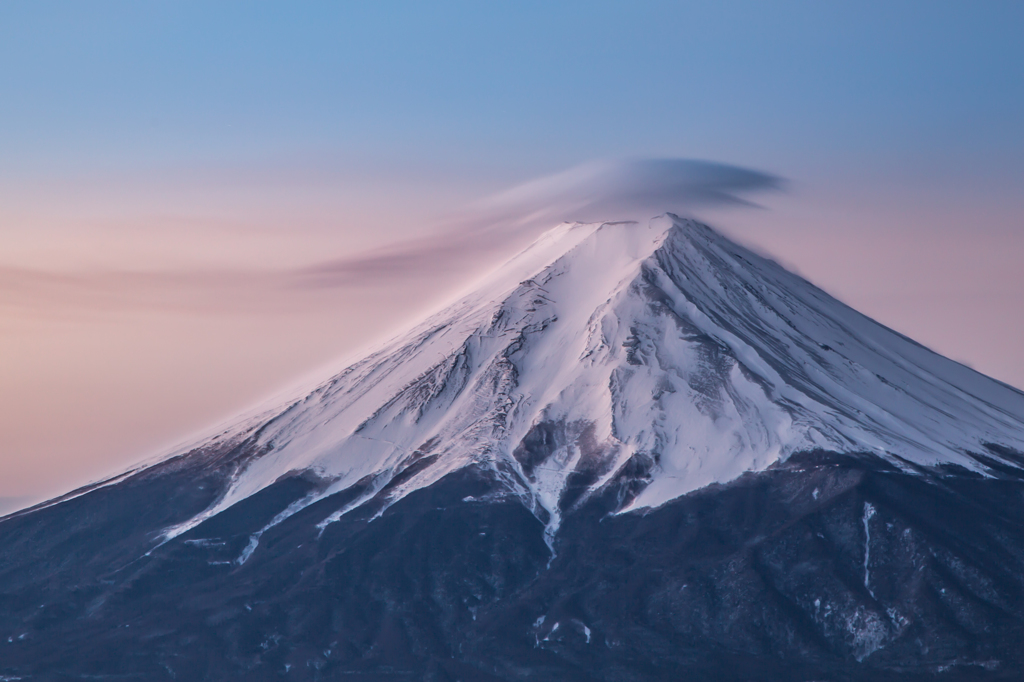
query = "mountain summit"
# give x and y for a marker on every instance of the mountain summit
(658, 359)
(584, 469)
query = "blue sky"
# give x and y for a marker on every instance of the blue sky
(510, 88)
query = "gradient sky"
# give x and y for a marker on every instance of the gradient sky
(163, 163)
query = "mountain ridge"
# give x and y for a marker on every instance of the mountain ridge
(637, 452)
(758, 373)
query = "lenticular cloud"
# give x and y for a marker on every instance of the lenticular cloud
(599, 191)
(628, 189)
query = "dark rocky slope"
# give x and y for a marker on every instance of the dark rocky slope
(825, 568)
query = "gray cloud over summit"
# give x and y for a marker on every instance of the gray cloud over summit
(473, 237)
(600, 191)
(630, 189)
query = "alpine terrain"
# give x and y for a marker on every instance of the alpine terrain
(635, 452)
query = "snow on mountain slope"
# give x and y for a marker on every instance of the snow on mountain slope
(662, 353)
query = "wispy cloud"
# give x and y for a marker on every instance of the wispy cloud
(629, 189)
(599, 191)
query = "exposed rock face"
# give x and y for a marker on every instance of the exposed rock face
(635, 453)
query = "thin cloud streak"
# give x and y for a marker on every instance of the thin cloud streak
(599, 191)
(603, 191)
(629, 189)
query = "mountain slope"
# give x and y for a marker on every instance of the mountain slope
(633, 452)
(662, 345)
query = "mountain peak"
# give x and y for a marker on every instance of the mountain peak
(657, 358)
(459, 503)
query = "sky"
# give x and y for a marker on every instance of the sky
(202, 201)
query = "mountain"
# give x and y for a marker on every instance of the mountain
(634, 452)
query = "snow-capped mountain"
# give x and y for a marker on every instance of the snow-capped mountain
(662, 346)
(633, 451)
